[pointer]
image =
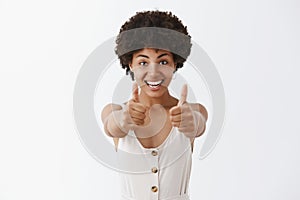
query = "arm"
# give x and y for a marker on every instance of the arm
(111, 117)
(199, 110)
(189, 118)
(201, 115)
(117, 121)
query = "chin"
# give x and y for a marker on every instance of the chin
(155, 93)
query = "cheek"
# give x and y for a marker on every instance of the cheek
(167, 71)
(168, 75)
(139, 76)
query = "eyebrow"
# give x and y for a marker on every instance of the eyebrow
(164, 54)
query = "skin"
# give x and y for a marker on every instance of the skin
(152, 112)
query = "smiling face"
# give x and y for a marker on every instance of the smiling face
(153, 70)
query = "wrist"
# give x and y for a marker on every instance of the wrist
(200, 123)
(115, 124)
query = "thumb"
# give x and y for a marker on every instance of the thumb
(183, 96)
(135, 92)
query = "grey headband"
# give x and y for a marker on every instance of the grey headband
(153, 37)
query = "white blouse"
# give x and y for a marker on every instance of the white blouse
(160, 173)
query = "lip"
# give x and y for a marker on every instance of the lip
(155, 88)
(154, 85)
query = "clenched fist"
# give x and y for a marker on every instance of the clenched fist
(184, 117)
(134, 113)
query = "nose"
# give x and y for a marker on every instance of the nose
(153, 69)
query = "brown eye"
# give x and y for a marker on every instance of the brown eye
(143, 63)
(164, 62)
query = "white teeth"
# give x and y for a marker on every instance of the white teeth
(154, 83)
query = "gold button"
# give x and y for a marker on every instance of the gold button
(154, 189)
(154, 153)
(154, 170)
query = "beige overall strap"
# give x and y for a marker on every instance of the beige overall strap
(116, 141)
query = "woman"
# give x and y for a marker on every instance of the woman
(153, 122)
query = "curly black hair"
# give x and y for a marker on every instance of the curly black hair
(159, 19)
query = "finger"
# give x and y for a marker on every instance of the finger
(183, 96)
(139, 107)
(138, 121)
(176, 124)
(175, 118)
(176, 110)
(138, 115)
(135, 92)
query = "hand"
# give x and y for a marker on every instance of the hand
(183, 117)
(134, 113)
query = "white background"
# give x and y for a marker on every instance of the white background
(254, 44)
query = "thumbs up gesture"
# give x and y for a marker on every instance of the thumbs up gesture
(183, 117)
(136, 110)
(134, 113)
